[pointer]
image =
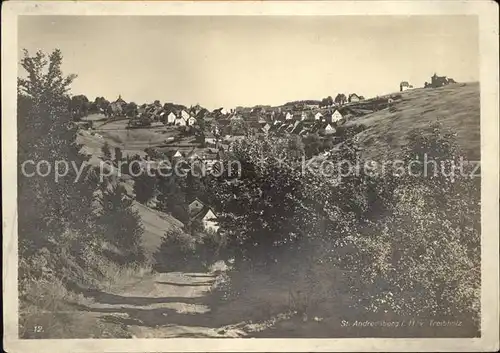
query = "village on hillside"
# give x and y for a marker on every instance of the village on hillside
(194, 134)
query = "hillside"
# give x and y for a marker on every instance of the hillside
(456, 106)
(155, 225)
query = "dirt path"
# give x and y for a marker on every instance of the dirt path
(163, 305)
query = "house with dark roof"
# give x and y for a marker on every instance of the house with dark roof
(297, 127)
(203, 213)
(335, 117)
(353, 97)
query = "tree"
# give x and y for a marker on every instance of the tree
(102, 104)
(171, 198)
(144, 187)
(430, 231)
(79, 106)
(106, 151)
(49, 207)
(130, 110)
(340, 98)
(326, 102)
(261, 216)
(118, 154)
(312, 144)
(120, 224)
(296, 146)
(154, 153)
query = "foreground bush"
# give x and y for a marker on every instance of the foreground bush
(180, 251)
(423, 256)
(410, 241)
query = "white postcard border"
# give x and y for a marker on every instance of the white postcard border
(487, 12)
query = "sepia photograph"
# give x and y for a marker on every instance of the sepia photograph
(205, 172)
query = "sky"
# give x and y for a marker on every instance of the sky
(229, 61)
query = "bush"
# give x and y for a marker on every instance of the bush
(180, 251)
(411, 243)
(177, 252)
(422, 257)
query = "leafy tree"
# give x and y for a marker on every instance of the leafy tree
(312, 144)
(194, 187)
(340, 98)
(102, 104)
(144, 187)
(130, 110)
(296, 146)
(118, 154)
(106, 151)
(154, 153)
(120, 223)
(49, 207)
(325, 102)
(261, 214)
(171, 198)
(327, 144)
(79, 106)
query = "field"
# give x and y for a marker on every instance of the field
(155, 225)
(456, 106)
(131, 141)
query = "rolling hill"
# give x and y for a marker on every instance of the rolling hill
(456, 107)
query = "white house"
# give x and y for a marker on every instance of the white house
(266, 128)
(303, 116)
(198, 210)
(177, 154)
(209, 220)
(171, 118)
(180, 121)
(210, 140)
(288, 116)
(336, 116)
(195, 206)
(191, 121)
(329, 129)
(318, 116)
(353, 98)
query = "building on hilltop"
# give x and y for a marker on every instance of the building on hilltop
(353, 97)
(439, 81)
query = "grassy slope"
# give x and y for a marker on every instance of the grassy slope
(456, 106)
(132, 141)
(155, 225)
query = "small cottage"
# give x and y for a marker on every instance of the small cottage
(336, 116)
(353, 98)
(191, 121)
(329, 129)
(171, 118)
